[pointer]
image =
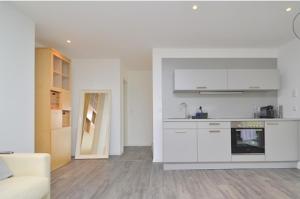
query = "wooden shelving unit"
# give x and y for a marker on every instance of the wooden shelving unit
(53, 106)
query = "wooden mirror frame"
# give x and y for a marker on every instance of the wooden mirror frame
(103, 138)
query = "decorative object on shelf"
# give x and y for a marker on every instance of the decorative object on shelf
(53, 106)
(94, 125)
(297, 35)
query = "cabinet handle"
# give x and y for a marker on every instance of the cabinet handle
(214, 124)
(272, 123)
(180, 131)
(215, 131)
(201, 87)
(254, 86)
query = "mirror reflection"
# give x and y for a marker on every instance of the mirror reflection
(94, 125)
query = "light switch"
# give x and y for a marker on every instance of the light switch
(295, 92)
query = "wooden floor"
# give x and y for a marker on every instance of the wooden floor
(134, 176)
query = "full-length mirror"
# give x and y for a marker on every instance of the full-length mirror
(94, 125)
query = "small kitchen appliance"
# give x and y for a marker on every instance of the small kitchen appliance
(267, 112)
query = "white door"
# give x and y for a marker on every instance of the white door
(214, 145)
(200, 80)
(259, 79)
(139, 109)
(281, 141)
(180, 145)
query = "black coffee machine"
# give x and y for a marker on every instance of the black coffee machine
(267, 112)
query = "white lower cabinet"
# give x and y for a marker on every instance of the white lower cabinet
(214, 145)
(281, 140)
(180, 145)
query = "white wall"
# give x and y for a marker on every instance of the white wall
(240, 105)
(93, 75)
(16, 80)
(289, 66)
(139, 108)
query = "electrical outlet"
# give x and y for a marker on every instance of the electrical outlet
(295, 108)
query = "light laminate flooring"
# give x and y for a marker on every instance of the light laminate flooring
(134, 176)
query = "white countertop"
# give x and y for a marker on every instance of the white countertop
(229, 119)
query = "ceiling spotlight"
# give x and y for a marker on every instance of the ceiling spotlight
(68, 41)
(195, 7)
(288, 9)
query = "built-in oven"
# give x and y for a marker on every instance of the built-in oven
(248, 137)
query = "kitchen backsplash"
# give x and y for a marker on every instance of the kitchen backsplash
(241, 105)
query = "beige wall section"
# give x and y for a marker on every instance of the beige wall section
(139, 108)
(98, 74)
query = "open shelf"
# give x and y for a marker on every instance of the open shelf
(65, 69)
(54, 99)
(57, 65)
(65, 83)
(57, 80)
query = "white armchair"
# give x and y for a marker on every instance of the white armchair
(31, 176)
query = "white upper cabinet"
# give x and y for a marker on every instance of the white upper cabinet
(222, 80)
(185, 80)
(259, 79)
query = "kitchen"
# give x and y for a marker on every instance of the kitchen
(223, 113)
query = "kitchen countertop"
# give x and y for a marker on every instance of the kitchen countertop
(229, 119)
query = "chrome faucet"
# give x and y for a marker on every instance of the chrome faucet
(186, 115)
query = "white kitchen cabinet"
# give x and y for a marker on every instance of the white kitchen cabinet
(185, 80)
(214, 145)
(258, 79)
(180, 145)
(281, 140)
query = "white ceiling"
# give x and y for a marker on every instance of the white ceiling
(129, 30)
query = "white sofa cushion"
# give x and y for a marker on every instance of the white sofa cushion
(24, 187)
(5, 172)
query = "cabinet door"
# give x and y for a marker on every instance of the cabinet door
(200, 80)
(281, 141)
(259, 79)
(214, 145)
(56, 119)
(180, 145)
(66, 100)
(60, 147)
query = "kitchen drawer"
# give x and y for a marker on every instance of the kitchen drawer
(180, 145)
(180, 125)
(213, 125)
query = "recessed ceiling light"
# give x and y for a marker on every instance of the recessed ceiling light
(195, 7)
(288, 9)
(68, 41)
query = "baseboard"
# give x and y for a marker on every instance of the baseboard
(230, 165)
(298, 165)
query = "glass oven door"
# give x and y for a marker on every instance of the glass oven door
(247, 140)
